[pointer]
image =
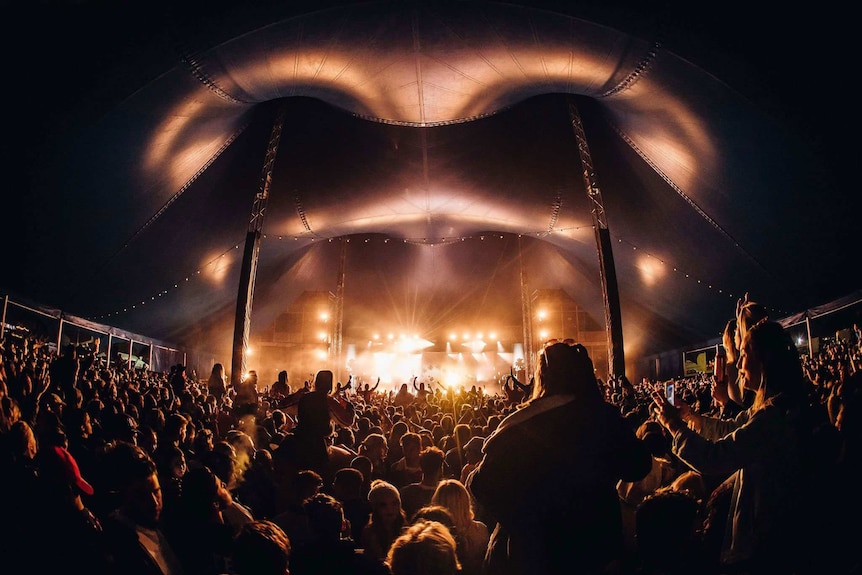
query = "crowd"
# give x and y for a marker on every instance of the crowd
(751, 470)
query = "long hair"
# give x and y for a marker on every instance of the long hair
(452, 495)
(728, 340)
(772, 348)
(749, 315)
(565, 368)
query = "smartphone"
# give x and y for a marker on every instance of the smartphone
(668, 392)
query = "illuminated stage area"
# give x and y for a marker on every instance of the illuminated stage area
(450, 313)
(480, 364)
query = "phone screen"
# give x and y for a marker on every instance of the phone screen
(668, 392)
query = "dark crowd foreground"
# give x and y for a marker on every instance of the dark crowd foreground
(748, 471)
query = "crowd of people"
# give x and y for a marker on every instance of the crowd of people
(750, 470)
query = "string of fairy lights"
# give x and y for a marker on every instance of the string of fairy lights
(189, 277)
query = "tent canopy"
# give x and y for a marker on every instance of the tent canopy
(436, 138)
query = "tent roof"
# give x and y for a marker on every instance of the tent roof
(422, 131)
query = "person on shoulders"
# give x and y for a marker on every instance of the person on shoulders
(549, 472)
(280, 388)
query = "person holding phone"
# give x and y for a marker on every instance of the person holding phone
(761, 450)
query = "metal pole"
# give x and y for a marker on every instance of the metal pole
(60, 337)
(248, 273)
(808, 328)
(607, 271)
(108, 351)
(131, 347)
(526, 314)
(339, 312)
(3, 322)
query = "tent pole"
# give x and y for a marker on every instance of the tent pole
(338, 327)
(3, 321)
(248, 272)
(607, 271)
(808, 329)
(60, 336)
(526, 315)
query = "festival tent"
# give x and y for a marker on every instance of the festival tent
(424, 158)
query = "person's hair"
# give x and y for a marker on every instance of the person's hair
(565, 368)
(323, 381)
(410, 438)
(452, 495)
(199, 491)
(373, 441)
(173, 424)
(439, 513)
(692, 482)
(279, 417)
(399, 428)
(363, 465)
(431, 460)
(165, 456)
(728, 341)
(307, 483)
(349, 481)
(462, 433)
(345, 437)
(666, 527)
(781, 369)
(750, 314)
(19, 442)
(261, 548)
(325, 516)
(126, 464)
(379, 490)
(217, 375)
(424, 548)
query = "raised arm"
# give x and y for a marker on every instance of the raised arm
(340, 389)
